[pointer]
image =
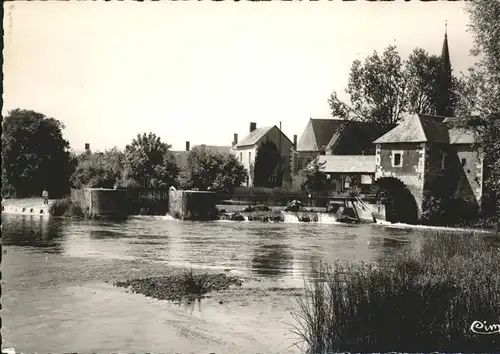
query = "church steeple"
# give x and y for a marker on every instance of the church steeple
(444, 100)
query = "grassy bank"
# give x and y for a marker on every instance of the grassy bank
(426, 300)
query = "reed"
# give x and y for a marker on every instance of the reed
(424, 300)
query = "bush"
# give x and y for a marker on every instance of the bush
(65, 207)
(420, 301)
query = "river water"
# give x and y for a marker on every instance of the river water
(57, 273)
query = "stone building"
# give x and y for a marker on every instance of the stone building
(247, 149)
(428, 157)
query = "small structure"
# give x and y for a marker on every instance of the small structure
(101, 202)
(192, 205)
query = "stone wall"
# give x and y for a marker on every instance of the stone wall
(412, 171)
(192, 205)
(101, 202)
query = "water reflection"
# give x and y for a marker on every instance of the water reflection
(32, 231)
(272, 259)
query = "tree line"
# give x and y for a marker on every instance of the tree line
(35, 156)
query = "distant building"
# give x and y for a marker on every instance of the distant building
(246, 150)
(181, 157)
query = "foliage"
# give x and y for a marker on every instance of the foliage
(99, 170)
(267, 164)
(150, 163)
(65, 207)
(314, 177)
(421, 301)
(35, 155)
(480, 93)
(384, 87)
(210, 170)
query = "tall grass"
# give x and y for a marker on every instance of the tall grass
(425, 300)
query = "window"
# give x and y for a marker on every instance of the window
(463, 162)
(249, 157)
(241, 157)
(443, 161)
(397, 159)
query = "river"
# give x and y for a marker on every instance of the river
(58, 295)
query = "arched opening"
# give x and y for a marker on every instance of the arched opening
(398, 200)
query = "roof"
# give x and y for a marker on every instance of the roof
(318, 134)
(461, 136)
(355, 134)
(254, 137)
(347, 163)
(417, 128)
(214, 148)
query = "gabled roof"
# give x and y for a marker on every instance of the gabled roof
(318, 134)
(347, 163)
(254, 137)
(417, 128)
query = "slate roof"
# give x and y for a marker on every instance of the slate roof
(318, 134)
(361, 135)
(347, 163)
(254, 137)
(417, 128)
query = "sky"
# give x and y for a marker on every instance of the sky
(201, 71)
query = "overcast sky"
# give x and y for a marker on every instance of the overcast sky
(201, 71)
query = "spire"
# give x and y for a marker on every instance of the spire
(445, 54)
(444, 100)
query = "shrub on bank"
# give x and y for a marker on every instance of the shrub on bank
(65, 207)
(422, 301)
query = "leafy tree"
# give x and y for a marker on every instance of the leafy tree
(314, 177)
(480, 92)
(384, 87)
(99, 170)
(34, 155)
(209, 170)
(267, 163)
(150, 163)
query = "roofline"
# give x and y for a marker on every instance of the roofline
(270, 127)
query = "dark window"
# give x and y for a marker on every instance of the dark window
(397, 159)
(464, 162)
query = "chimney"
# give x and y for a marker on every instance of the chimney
(253, 126)
(187, 145)
(87, 146)
(235, 139)
(295, 141)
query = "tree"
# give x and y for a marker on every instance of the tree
(267, 164)
(99, 170)
(383, 88)
(34, 155)
(207, 170)
(314, 177)
(480, 92)
(150, 163)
